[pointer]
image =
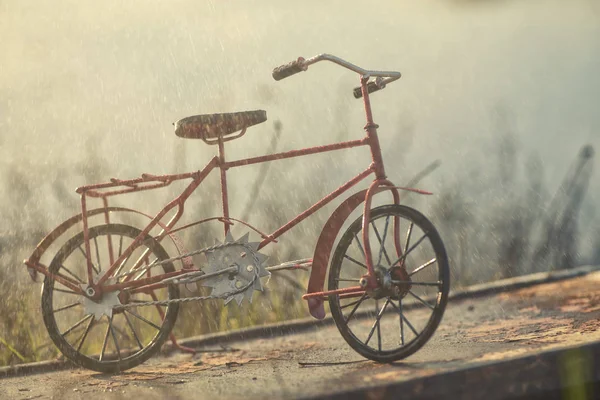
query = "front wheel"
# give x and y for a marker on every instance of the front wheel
(396, 319)
(86, 331)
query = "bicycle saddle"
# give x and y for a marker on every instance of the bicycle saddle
(212, 126)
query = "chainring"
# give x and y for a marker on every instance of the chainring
(249, 265)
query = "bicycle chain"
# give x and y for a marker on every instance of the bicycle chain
(157, 263)
(188, 299)
(185, 299)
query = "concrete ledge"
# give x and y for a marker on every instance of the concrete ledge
(35, 368)
(518, 282)
(304, 324)
(567, 373)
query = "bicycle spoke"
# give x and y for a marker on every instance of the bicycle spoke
(85, 256)
(427, 264)
(403, 317)
(408, 234)
(97, 253)
(136, 265)
(376, 325)
(112, 331)
(65, 291)
(355, 308)
(66, 307)
(438, 283)
(146, 268)
(71, 273)
(382, 250)
(354, 261)
(120, 246)
(66, 278)
(421, 300)
(360, 246)
(121, 332)
(349, 304)
(105, 341)
(346, 280)
(133, 330)
(87, 330)
(118, 270)
(406, 253)
(143, 319)
(379, 325)
(81, 321)
(111, 251)
(401, 322)
(409, 325)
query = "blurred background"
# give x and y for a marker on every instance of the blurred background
(496, 113)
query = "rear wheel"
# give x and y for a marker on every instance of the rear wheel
(410, 262)
(90, 333)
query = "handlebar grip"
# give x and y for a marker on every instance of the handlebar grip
(371, 87)
(289, 69)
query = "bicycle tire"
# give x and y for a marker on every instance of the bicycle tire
(342, 323)
(75, 355)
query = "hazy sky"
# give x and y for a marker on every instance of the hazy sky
(112, 76)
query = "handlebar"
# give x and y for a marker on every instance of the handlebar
(289, 69)
(371, 87)
(299, 65)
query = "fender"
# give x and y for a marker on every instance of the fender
(327, 238)
(50, 238)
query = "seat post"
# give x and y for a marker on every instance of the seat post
(224, 197)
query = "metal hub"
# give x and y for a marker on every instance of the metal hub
(383, 283)
(400, 274)
(386, 287)
(104, 306)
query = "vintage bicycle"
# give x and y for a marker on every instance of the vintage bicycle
(111, 293)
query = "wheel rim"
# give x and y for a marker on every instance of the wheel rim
(80, 327)
(397, 318)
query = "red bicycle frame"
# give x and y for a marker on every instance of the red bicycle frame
(146, 182)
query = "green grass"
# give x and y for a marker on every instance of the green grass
(488, 229)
